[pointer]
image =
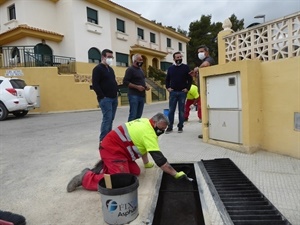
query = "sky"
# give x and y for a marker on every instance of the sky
(180, 13)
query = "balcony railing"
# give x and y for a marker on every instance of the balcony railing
(25, 56)
(277, 39)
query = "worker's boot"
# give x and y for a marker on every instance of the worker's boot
(76, 181)
(98, 167)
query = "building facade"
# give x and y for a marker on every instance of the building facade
(78, 31)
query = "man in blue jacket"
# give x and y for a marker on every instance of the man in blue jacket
(178, 83)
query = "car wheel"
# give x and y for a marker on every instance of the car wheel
(20, 113)
(30, 94)
(3, 112)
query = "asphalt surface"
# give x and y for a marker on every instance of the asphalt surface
(42, 152)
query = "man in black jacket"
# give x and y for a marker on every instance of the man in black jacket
(178, 83)
(106, 88)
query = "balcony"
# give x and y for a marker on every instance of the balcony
(25, 56)
(277, 39)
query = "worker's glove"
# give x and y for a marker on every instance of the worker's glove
(149, 165)
(180, 175)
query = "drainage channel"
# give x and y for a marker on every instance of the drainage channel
(178, 201)
(237, 199)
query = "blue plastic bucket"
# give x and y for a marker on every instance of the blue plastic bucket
(166, 112)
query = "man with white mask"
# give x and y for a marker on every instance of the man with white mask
(205, 60)
(106, 88)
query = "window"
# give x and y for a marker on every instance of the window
(121, 59)
(15, 55)
(140, 33)
(165, 65)
(179, 46)
(169, 44)
(92, 15)
(120, 25)
(12, 12)
(94, 55)
(152, 38)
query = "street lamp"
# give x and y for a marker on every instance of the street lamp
(260, 16)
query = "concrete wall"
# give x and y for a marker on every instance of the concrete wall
(270, 96)
(58, 92)
(65, 92)
(280, 99)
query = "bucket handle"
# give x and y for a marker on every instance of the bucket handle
(107, 180)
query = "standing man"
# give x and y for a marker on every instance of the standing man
(123, 146)
(134, 79)
(178, 83)
(106, 88)
(206, 60)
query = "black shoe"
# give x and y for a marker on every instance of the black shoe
(12, 218)
(187, 119)
(200, 136)
(98, 167)
(76, 181)
(180, 130)
(169, 130)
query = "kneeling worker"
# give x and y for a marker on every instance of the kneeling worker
(122, 146)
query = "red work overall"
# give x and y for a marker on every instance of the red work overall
(118, 154)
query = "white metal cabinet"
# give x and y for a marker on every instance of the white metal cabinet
(224, 107)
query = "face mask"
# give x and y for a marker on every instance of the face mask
(178, 61)
(109, 61)
(201, 55)
(158, 131)
(139, 64)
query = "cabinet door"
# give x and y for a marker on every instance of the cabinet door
(225, 125)
(223, 92)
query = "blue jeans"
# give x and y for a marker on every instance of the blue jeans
(176, 97)
(108, 107)
(136, 107)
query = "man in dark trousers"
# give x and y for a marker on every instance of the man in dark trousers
(178, 83)
(205, 60)
(106, 88)
(134, 79)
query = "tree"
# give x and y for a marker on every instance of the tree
(181, 31)
(157, 74)
(236, 24)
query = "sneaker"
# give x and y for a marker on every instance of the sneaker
(169, 130)
(200, 121)
(200, 136)
(180, 130)
(76, 181)
(98, 167)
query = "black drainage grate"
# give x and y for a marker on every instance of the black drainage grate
(236, 197)
(178, 200)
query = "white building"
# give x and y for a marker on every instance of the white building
(48, 31)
